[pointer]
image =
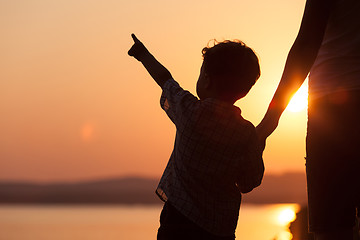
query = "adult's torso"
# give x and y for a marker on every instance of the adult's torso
(337, 66)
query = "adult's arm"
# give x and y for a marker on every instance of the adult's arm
(299, 61)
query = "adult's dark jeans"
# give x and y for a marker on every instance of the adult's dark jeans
(333, 160)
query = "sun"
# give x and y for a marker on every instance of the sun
(299, 101)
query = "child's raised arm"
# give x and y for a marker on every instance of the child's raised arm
(157, 71)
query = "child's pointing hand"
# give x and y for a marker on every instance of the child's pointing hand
(138, 49)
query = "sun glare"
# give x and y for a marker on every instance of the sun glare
(299, 101)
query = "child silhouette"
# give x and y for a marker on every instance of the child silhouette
(216, 154)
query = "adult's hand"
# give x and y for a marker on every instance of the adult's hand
(265, 128)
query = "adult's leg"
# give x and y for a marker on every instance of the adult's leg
(332, 165)
(343, 234)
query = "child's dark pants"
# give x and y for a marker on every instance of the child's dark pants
(175, 226)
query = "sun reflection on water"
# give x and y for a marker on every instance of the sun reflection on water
(286, 216)
(266, 222)
(283, 236)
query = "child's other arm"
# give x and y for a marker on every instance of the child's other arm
(157, 71)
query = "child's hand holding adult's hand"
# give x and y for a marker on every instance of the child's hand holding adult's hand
(138, 49)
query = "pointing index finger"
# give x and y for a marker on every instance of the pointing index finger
(135, 38)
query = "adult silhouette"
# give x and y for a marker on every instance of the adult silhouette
(328, 47)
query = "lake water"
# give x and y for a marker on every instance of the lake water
(119, 222)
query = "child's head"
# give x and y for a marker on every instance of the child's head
(230, 68)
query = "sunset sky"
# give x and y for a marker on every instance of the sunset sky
(75, 106)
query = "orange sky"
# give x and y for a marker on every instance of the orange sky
(74, 106)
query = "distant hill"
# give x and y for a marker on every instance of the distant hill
(287, 188)
(130, 190)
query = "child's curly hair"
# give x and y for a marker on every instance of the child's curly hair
(234, 63)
